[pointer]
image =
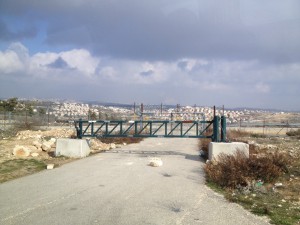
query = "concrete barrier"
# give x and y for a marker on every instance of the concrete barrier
(74, 148)
(216, 148)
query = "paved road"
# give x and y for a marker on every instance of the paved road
(119, 188)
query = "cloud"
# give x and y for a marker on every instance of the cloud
(171, 29)
(59, 63)
(10, 62)
(263, 88)
(147, 73)
(13, 59)
(16, 58)
(200, 81)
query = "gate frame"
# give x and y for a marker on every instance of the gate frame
(218, 135)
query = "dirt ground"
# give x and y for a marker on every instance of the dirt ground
(28, 151)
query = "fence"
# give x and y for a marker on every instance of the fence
(24, 120)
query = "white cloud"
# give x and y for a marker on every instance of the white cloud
(10, 62)
(108, 73)
(16, 58)
(81, 60)
(41, 60)
(13, 59)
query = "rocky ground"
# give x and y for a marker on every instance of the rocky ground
(39, 147)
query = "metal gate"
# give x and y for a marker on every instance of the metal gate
(214, 129)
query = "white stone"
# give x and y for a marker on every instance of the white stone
(46, 146)
(112, 145)
(216, 148)
(155, 162)
(50, 166)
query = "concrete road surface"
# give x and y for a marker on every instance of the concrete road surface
(120, 188)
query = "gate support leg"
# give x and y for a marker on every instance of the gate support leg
(79, 131)
(216, 129)
(223, 129)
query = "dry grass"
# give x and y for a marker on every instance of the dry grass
(231, 171)
(236, 134)
(12, 169)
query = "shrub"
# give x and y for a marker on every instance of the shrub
(293, 133)
(256, 135)
(238, 170)
(203, 144)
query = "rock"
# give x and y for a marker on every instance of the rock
(98, 145)
(202, 153)
(37, 144)
(251, 142)
(21, 151)
(124, 143)
(46, 146)
(112, 145)
(53, 142)
(34, 148)
(50, 166)
(35, 154)
(278, 185)
(155, 162)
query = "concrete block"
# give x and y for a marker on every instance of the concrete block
(74, 148)
(216, 148)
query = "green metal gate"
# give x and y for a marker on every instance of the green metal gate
(214, 129)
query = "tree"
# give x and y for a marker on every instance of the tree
(29, 109)
(93, 116)
(41, 111)
(9, 105)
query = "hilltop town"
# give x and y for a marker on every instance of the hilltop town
(73, 110)
(62, 111)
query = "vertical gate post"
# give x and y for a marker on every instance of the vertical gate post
(223, 129)
(216, 122)
(79, 132)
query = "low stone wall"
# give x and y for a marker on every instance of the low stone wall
(74, 148)
(216, 148)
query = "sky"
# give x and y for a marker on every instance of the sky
(236, 53)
